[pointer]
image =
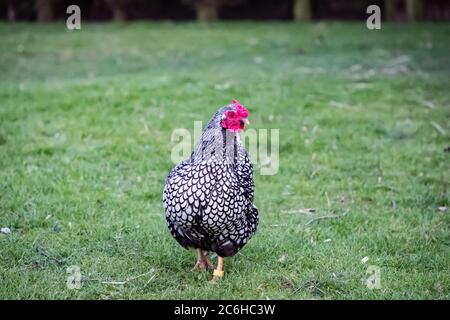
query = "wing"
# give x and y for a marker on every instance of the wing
(185, 195)
(244, 171)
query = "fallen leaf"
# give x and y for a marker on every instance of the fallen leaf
(438, 128)
(428, 104)
(259, 60)
(438, 287)
(5, 230)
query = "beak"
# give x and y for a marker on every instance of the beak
(246, 121)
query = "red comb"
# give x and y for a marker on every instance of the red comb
(240, 109)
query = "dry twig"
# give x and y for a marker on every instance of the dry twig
(331, 216)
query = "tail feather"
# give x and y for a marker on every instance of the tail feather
(225, 249)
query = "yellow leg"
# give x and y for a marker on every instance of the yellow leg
(218, 273)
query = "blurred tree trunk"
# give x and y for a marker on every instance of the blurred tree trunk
(118, 8)
(206, 12)
(390, 7)
(11, 10)
(118, 14)
(302, 10)
(44, 10)
(414, 10)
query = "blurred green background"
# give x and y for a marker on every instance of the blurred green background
(86, 118)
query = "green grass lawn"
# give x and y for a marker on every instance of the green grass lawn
(86, 119)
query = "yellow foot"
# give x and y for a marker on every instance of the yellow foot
(217, 275)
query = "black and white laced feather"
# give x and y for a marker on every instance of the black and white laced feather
(208, 198)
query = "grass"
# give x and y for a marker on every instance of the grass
(85, 138)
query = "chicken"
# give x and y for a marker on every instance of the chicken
(208, 198)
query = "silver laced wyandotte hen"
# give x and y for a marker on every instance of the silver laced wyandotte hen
(208, 198)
